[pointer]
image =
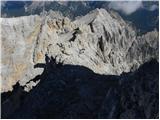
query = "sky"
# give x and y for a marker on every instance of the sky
(129, 7)
(126, 6)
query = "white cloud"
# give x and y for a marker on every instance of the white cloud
(153, 7)
(127, 7)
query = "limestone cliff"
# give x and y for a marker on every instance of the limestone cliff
(100, 40)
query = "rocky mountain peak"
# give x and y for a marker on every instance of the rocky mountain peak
(100, 40)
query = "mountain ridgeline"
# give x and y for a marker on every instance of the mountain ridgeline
(95, 66)
(100, 40)
(144, 19)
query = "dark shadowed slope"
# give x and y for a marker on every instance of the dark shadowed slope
(72, 91)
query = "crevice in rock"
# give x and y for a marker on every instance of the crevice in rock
(100, 43)
(91, 27)
(101, 47)
(107, 34)
(73, 38)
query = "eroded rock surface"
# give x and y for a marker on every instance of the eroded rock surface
(100, 40)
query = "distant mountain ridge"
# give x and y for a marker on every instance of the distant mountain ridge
(143, 19)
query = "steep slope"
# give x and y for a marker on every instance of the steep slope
(73, 91)
(100, 40)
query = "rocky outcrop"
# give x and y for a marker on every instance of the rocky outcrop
(100, 40)
(19, 37)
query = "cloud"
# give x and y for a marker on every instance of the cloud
(153, 7)
(126, 7)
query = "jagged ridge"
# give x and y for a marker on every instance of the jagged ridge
(101, 41)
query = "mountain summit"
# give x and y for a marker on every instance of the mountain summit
(100, 40)
(95, 66)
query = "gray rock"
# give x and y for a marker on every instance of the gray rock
(105, 43)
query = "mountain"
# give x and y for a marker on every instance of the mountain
(73, 91)
(100, 40)
(96, 66)
(144, 19)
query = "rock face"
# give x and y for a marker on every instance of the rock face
(73, 91)
(93, 67)
(100, 40)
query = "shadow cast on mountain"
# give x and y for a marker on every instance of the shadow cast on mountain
(73, 91)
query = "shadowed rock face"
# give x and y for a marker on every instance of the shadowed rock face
(101, 41)
(93, 67)
(73, 91)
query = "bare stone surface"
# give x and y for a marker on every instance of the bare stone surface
(101, 41)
